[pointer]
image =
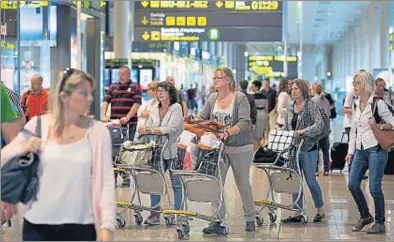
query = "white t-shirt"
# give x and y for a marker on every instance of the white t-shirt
(224, 116)
(349, 102)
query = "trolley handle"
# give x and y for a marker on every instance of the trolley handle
(167, 136)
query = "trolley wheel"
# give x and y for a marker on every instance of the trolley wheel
(259, 221)
(170, 220)
(304, 220)
(273, 217)
(183, 230)
(121, 222)
(138, 219)
(181, 234)
(223, 230)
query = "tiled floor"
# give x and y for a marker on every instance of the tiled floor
(340, 209)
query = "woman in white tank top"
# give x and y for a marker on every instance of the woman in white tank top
(65, 207)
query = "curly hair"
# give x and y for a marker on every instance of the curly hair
(172, 92)
(303, 85)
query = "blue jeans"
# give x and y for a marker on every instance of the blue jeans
(375, 160)
(308, 164)
(176, 187)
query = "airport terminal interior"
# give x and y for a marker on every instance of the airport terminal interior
(145, 53)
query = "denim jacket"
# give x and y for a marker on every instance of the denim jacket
(309, 118)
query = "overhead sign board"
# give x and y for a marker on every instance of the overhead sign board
(211, 5)
(26, 4)
(231, 21)
(272, 66)
(261, 34)
(207, 19)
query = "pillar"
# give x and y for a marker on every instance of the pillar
(121, 34)
(384, 37)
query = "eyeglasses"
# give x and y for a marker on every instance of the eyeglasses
(161, 90)
(218, 78)
(356, 83)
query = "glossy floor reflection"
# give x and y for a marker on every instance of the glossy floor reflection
(341, 214)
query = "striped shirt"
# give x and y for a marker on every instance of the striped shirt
(122, 98)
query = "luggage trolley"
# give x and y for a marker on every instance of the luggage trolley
(119, 134)
(282, 179)
(206, 174)
(144, 161)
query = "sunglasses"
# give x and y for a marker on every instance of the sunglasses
(66, 74)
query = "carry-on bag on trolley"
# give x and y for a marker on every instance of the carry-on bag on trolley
(338, 154)
(144, 161)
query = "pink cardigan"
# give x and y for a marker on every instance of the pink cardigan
(103, 183)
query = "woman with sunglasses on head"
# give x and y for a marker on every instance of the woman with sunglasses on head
(365, 152)
(166, 118)
(76, 194)
(232, 108)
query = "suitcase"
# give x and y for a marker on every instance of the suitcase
(390, 164)
(338, 154)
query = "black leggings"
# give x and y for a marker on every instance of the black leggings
(65, 232)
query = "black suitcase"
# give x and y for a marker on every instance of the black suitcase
(390, 164)
(338, 154)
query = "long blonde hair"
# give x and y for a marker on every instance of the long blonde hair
(68, 80)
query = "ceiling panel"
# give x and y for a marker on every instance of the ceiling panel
(321, 22)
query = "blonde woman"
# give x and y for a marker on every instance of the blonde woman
(76, 195)
(232, 108)
(365, 152)
(145, 109)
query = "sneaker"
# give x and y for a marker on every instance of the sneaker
(212, 228)
(152, 220)
(288, 220)
(326, 173)
(362, 222)
(318, 218)
(250, 226)
(377, 228)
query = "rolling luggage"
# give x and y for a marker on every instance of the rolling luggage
(338, 154)
(390, 164)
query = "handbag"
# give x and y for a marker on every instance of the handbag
(19, 176)
(385, 138)
(200, 127)
(280, 140)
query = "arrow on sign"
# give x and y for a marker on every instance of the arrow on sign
(144, 4)
(219, 4)
(144, 20)
(145, 36)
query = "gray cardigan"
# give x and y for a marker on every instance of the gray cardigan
(171, 124)
(241, 118)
